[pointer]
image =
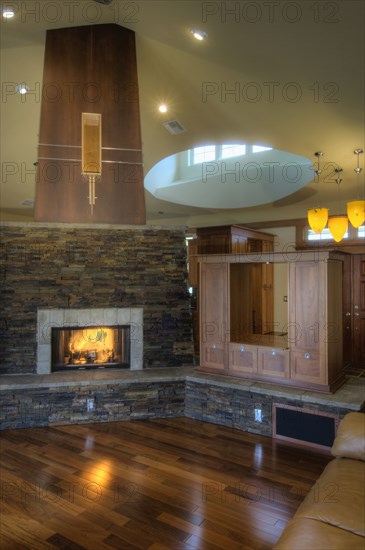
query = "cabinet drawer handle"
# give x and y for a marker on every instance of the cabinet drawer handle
(307, 356)
(242, 348)
(214, 346)
(273, 353)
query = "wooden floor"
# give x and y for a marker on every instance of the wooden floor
(174, 484)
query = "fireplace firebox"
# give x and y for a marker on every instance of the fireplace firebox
(76, 348)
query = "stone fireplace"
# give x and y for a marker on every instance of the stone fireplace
(81, 339)
(66, 274)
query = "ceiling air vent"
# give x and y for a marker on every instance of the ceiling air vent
(174, 127)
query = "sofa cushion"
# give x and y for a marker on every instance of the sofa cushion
(310, 534)
(338, 496)
(350, 438)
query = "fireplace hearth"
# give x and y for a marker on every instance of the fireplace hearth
(79, 348)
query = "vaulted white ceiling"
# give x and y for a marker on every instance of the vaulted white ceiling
(285, 74)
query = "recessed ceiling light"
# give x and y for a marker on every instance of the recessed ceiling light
(8, 13)
(22, 89)
(199, 35)
(163, 108)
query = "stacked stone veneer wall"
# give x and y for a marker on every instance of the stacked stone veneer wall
(37, 407)
(234, 407)
(76, 266)
(165, 397)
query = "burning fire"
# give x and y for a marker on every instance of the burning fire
(92, 345)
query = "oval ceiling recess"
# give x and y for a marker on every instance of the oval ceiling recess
(251, 179)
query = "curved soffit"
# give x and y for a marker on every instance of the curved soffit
(238, 182)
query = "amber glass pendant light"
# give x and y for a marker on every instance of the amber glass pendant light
(356, 212)
(317, 217)
(356, 209)
(338, 224)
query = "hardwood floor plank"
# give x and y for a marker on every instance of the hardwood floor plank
(113, 541)
(199, 543)
(179, 546)
(58, 541)
(25, 532)
(203, 531)
(143, 535)
(78, 530)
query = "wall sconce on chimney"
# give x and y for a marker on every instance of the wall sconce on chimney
(91, 151)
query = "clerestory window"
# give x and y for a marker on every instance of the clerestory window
(208, 153)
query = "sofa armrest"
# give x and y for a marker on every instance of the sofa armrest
(350, 438)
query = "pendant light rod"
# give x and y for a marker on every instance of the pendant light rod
(358, 152)
(338, 171)
(319, 155)
(317, 217)
(356, 208)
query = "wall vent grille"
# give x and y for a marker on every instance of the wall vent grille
(306, 426)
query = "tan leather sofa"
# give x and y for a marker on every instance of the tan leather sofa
(332, 516)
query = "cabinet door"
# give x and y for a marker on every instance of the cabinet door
(242, 359)
(213, 314)
(307, 310)
(212, 356)
(273, 362)
(308, 367)
(308, 321)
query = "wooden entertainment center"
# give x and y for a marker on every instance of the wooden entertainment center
(240, 333)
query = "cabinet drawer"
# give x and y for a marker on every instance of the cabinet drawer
(212, 355)
(273, 362)
(308, 366)
(242, 358)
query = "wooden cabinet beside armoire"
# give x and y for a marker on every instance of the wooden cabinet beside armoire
(305, 353)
